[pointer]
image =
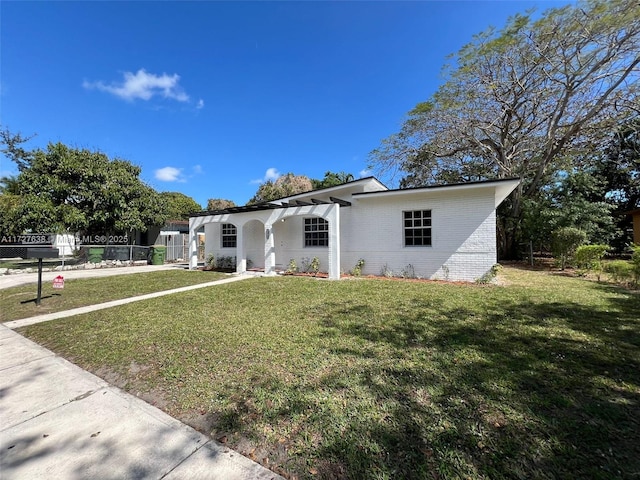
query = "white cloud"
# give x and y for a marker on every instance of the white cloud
(143, 85)
(272, 174)
(365, 173)
(200, 104)
(169, 174)
(197, 169)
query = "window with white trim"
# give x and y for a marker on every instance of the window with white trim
(417, 228)
(316, 232)
(229, 235)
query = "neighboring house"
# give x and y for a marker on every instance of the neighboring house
(439, 232)
(174, 236)
(635, 216)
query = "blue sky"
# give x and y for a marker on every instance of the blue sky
(212, 98)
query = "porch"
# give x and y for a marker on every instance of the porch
(265, 237)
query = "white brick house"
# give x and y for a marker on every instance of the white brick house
(438, 232)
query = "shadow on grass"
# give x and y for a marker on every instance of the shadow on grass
(533, 390)
(391, 380)
(35, 300)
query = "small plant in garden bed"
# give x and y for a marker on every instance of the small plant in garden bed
(357, 270)
(226, 264)
(315, 265)
(292, 268)
(220, 264)
(309, 265)
(408, 272)
(310, 268)
(210, 262)
(490, 275)
(385, 271)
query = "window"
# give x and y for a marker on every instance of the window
(228, 235)
(316, 232)
(417, 228)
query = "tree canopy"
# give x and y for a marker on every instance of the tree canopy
(524, 102)
(179, 206)
(291, 184)
(286, 185)
(332, 179)
(219, 204)
(77, 190)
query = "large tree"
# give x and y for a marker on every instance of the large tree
(574, 199)
(620, 166)
(179, 206)
(9, 203)
(67, 189)
(219, 204)
(522, 101)
(286, 185)
(332, 179)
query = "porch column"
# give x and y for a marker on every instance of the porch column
(241, 260)
(334, 242)
(193, 244)
(269, 250)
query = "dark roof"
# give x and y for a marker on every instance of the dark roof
(446, 185)
(272, 206)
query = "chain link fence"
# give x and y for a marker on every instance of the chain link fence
(74, 250)
(117, 253)
(114, 254)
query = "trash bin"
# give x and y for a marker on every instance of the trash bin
(95, 254)
(158, 254)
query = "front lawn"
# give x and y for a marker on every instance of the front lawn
(19, 302)
(368, 378)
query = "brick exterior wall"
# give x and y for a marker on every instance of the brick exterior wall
(463, 223)
(463, 235)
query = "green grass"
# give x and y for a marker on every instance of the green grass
(384, 378)
(19, 302)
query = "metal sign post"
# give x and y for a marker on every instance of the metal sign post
(41, 253)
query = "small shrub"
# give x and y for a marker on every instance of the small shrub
(385, 271)
(445, 270)
(564, 242)
(408, 272)
(314, 266)
(589, 257)
(305, 264)
(357, 270)
(210, 262)
(226, 263)
(293, 267)
(635, 264)
(621, 271)
(490, 274)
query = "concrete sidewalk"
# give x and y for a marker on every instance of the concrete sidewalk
(58, 421)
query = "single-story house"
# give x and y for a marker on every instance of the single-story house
(437, 232)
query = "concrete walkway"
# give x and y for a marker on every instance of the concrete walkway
(58, 421)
